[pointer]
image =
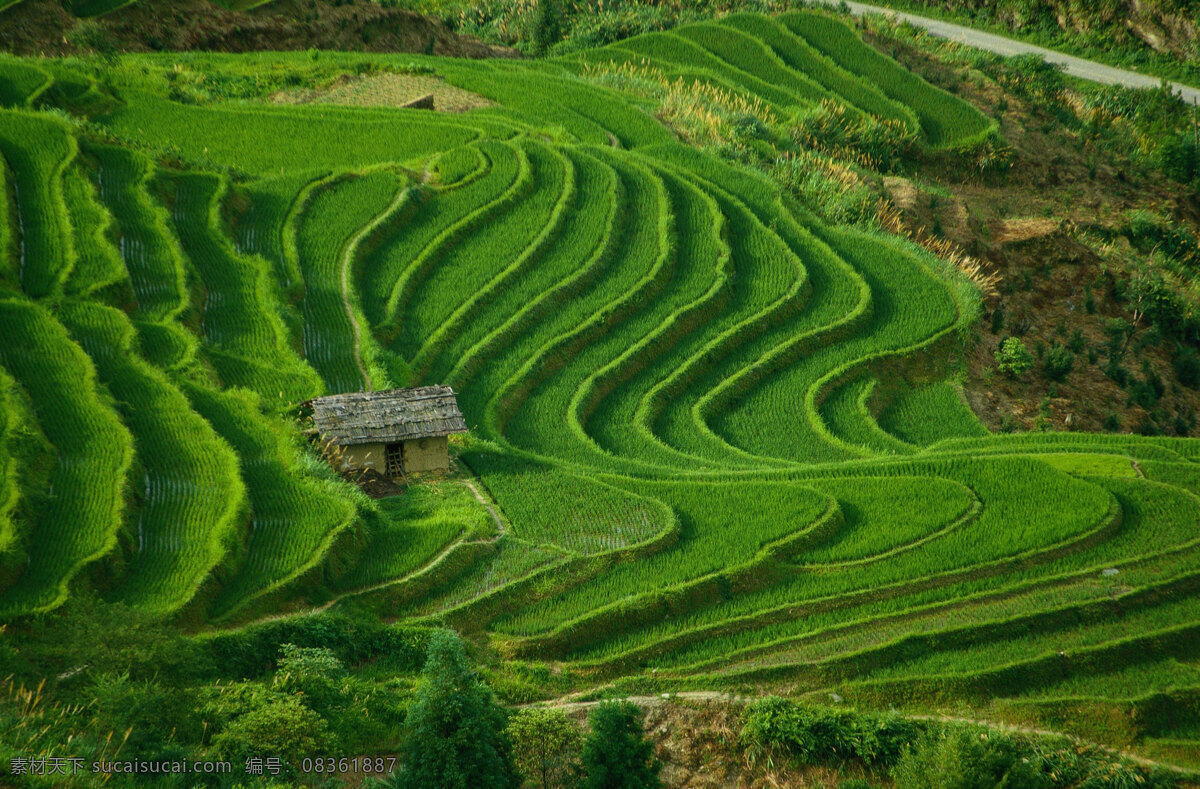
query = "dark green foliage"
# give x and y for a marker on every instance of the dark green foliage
(820, 735)
(1113, 369)
(1077, 343)
(313, 672)
(252, 651)
(159, 715)
(547, 25)
(1142, 393)
(1179, 157)
(1119, 331)
(974, 758)
(617, 754)
(91, 36)
(1058, 362)
(110, 639)
(1187, 366)
(967, 759)
(455, 728)
(1147, 391)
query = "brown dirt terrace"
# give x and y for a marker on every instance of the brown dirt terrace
(44, 27)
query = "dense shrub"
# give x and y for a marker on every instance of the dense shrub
(1187, 366)
(830, 128)
(816, 735)
(1058, 362)
(965, 759)
(252, 651)
(1179, 157)
(973, 758)
(1013, 358)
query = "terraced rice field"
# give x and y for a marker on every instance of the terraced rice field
(683, 391)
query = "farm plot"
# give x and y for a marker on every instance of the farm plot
(404, 533)
(319, 138)
(151, 253)
(294, 516)
(189, 494)
(338, 214)
(37, 150)
(244, 334)
(946, 120)
(393, 268)
(98, 263)
(93, 452)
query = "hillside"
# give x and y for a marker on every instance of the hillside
(50, 27)
(721, 420)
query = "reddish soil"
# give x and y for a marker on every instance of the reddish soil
(44, 27)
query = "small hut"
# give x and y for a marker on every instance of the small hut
(394, 432)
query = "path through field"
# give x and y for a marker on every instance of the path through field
(1002, 45)
(487, 504)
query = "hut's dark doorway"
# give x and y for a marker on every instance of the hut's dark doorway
(394, 460)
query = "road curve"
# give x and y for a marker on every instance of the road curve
(1076, 67)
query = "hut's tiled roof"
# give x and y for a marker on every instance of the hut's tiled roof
(388, 416)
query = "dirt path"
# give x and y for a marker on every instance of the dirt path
(566, 704)
(487, 505)
(1001, 45)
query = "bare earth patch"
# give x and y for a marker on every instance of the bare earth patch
(1025, 229)
(388, 90)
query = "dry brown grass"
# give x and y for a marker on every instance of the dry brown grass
(388, 90)
(700, 113)
(978, 271)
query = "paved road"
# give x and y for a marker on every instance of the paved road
(1076, 67)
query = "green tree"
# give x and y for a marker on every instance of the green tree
(617, 754)
(545, 746)
(455, 728)
(1013, 358)
(256, 721)
(547, 26)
